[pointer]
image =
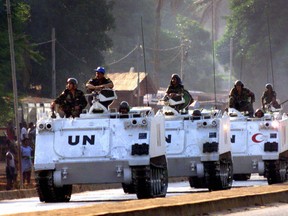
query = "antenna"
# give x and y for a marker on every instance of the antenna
(269, 37)
(144, 61)
(213, 53)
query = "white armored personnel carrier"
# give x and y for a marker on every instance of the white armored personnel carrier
(259, 145)
(101, 147)
(198, 146)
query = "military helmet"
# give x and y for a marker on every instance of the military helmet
(124, 105)
(259, 110)
(177, 77)
(196, 112)
(100, 70)
(239, 83)
(72, 80)
(269, 85)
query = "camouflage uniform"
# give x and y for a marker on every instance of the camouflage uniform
(178, 89)
(67, 102)
(267, 97)
(241, 101)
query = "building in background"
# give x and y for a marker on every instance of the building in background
(132, 87)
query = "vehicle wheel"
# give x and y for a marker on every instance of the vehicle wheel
(275, 171)
(46, 190)
(219, 175)
(128, 188)
(150, 182)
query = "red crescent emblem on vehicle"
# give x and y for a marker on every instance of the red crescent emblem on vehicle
(254, 138)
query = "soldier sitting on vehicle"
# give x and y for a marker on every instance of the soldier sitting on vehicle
(176, 92)
(268, 95)
(98, 83)
(71, 101)
(239, 98)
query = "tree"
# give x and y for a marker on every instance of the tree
(81, 36)
(197, 63)
(256, 26)
(127, 34)
(20, 14)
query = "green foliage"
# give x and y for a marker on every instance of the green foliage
(256, 26)
(176, 32)
(128, 34)
(197, 54)
(19, 15)
(81, 36)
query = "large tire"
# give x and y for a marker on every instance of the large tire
(275, 171)
(219, 175)
(150, 182)
(46, 190)
(128, 188)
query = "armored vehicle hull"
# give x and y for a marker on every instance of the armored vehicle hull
(101, 148)
(259, 145)
(198, 147)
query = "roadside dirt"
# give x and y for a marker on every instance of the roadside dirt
(17, 185)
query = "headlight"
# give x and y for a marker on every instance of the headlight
(270, 125)
(144, 122)
(225, 127)
(214, 123)
(48, 126)
(41, 126)
(45, 126)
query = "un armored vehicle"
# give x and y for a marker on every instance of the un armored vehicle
(100, 147)
(259, 145)
(198, 146)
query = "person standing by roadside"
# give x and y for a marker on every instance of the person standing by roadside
(26, 162)
(23, 131)
(11, 172)
(31, 134)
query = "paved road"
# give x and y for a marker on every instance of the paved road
(275, 209)
(104, 196)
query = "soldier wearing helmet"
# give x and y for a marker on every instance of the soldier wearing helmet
(175, 86)
(176, 89)
(241, 98)
(259, 113)
(268, 96)
(124, 107)
(98, 83)
(71, 101)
